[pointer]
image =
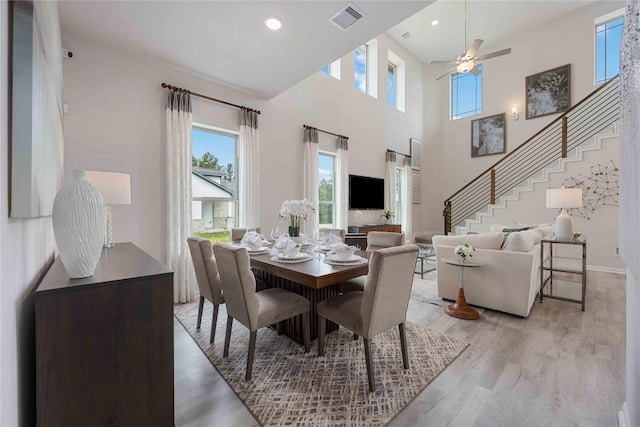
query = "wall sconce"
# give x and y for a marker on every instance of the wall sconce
(514, 113)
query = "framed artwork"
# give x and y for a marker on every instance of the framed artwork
(488, 136)
(415, 151)
(548, 92)
(415, 187)
(36, 114)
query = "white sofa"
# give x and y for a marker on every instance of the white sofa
(509, 279)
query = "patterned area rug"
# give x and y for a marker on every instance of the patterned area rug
(293, 388)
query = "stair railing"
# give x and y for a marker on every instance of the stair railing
(586, 119)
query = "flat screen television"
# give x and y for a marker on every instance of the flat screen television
(366, 192)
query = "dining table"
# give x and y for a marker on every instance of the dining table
(314, 279)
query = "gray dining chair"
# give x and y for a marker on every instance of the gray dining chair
(208, 278)
(381, 306)
(375, 240)
(254, 309)
(238, 233)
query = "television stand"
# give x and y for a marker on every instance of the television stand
(364, 229)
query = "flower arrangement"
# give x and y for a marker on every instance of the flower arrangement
(464, 251)
(294, 211)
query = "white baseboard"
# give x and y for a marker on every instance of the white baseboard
(607, 269)
(623, 416)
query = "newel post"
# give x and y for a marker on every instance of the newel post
(564, 137)
(493, 187)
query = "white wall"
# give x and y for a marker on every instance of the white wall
(116, 122)
(447, 143)
(26, 251)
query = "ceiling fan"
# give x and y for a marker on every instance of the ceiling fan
(467, 61)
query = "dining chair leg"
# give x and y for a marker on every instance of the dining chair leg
(252, 351)
(200, 308)
(214, 323)
(306, 330)
(227, 336)
(403, 345)
(280, 328)
(367, 356)
(321, 328)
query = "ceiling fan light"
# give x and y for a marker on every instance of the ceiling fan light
(465, 66)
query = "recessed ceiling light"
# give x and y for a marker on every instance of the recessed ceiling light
(435, 22)
(273, 23)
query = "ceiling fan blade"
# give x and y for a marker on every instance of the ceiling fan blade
(493, 54)
(441, 62)
(474, 48)
(445, 73)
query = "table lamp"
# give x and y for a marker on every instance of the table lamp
(564, 198)
(115, 188)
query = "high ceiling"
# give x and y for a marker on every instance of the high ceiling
(228, 42)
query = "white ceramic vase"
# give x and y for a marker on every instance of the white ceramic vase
(78, 225)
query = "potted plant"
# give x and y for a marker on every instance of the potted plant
(387, 215)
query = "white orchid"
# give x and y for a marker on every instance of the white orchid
(464, 251)
(294, 211)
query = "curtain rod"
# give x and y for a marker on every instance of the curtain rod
(324, 131)
(397, 152)
(179, 89)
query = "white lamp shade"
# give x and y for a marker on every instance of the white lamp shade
(564, 198)
(115, 187)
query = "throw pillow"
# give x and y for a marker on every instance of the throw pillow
(522, 241)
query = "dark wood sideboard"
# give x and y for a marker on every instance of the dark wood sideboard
(104, 344)
(394, 228)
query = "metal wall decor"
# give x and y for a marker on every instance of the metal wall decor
(601, 188)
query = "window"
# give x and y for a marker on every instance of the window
(391, 84)
(466, 94)
(214, 197)
(395, 81)
(608, 37)
(361, 68)
(326, 190)
(332, 69)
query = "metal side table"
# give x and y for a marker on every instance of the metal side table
(548, 266)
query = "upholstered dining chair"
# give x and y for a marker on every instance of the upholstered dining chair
(208, 278)
(381, 306)
(375, 240)
(338, 231)
(254, 309)
(238, 233)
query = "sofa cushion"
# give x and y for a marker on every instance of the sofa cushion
(522, 241)
(478, 241)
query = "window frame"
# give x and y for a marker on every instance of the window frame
(333, 69)
(393, 68)
(599, 22)
(333, 202)
(453, 81)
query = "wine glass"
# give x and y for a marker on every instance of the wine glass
(276, 232)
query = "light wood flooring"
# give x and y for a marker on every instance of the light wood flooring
(558, 367)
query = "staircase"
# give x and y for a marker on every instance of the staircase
(579, 129)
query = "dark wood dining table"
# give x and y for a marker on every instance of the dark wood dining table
(313, 279)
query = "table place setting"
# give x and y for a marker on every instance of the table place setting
(344, 255)
(287, 250)
(255, 243)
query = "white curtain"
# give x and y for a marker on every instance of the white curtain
(310, 140)
(390, 182)
(342, 182)
(407, 199)
(179, 119)
(249, 166)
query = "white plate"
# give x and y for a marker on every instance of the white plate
(298, 256)
(353, 258)
(258, 251)
(303, 258)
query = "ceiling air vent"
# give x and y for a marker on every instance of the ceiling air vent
(347, 17)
